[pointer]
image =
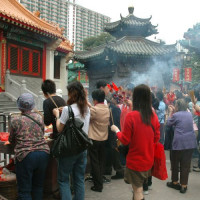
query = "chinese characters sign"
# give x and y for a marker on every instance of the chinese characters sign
(188, 74)
(176, 74)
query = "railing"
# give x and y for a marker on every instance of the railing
(4, 158)
(2, 123)
(14, 90)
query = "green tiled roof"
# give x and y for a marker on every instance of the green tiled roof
(129, 20)
(133, 23)
(96, 51)
(140, 46)
(131, 46)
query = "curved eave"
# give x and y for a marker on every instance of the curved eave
(13, 12)
(29, 27)
(140, 46)
(65, 47)
(93, 53)
(63, 50)
(112, 25)
(130, 20)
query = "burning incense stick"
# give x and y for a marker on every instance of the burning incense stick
(111, 116)
(192, 96)
(164, 90)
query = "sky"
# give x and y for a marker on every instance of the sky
(173, 17)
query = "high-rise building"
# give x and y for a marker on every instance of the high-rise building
(78, 22)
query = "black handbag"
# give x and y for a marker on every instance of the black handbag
(72, 140)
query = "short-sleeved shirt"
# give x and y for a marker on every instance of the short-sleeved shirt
(86, 119)
(27, 136)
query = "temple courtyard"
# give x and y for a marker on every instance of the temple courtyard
(118, 190)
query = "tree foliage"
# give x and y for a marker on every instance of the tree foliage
(192, 43)
(95, 41)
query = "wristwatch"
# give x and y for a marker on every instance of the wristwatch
(57, 118)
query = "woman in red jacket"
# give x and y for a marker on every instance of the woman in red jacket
(141, 131)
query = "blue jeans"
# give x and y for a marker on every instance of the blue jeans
(74, 165)
(30, 174)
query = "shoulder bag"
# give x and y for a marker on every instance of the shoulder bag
(72, 140)
(38, 123)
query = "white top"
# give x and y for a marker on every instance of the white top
(86, 120)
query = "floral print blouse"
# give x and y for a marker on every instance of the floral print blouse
(27, 136)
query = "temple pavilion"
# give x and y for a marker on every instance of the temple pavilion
(130, 52)
(31, 49)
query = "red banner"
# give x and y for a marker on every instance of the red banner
(176, 74)
(188, 74)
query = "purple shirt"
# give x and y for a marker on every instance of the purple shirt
(184, 136)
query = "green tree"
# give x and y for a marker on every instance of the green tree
(192, 43)
(91, 42)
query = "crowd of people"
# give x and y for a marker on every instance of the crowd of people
(123, 124)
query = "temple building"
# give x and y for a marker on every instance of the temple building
(130, 53)
(192, 39)
(31, 50)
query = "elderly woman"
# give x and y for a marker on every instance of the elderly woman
(141, 131)
(183, 144)
(31, 149)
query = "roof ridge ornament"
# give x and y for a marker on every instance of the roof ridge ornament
(130, 10)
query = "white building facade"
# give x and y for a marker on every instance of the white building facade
(78, 22)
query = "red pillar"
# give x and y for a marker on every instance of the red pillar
(3, 59)
(44, 55)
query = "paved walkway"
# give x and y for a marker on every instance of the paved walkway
(118, 190)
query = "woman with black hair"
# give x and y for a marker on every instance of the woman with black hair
(141, 131)
(74, 165)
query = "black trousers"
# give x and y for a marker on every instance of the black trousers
(182, 159)
(116, 163)
(147, 183)
(113, 160)
(97, 159)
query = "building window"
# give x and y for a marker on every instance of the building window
(57, 67)
(13, 58)
(23, 60)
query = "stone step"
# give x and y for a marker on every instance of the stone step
(8, 109)
(7, 105)
(4, 98)
(4, 104)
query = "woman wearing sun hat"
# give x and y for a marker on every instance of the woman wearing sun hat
(31, 149)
